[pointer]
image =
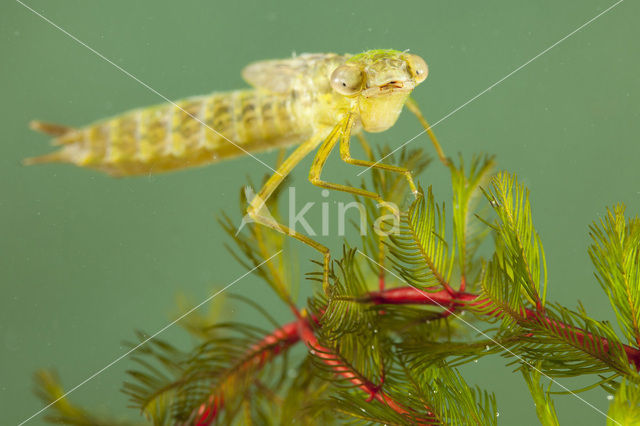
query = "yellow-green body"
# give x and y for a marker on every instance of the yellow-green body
(292, 101)
(168, 137)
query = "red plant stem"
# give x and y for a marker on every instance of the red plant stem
(373, 391)
(443, 299)
(280, 340)
(633, 354)
(270, 346)
(411, 295)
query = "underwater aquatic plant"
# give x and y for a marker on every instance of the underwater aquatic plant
(384, 341)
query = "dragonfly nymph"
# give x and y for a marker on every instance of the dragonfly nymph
(311, 100)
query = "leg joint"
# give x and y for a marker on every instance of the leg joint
(315, 180)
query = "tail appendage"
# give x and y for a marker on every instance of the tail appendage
(63, 135)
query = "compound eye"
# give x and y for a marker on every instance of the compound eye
(418, 67)
(347, 80)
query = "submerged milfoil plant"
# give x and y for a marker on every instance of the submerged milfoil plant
(382, 344)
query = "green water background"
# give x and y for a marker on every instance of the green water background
(86, 259)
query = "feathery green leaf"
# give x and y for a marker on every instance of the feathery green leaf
(615, 252)
(419, 252)
(466, 231)
(521, 253)
(625, 406)
(545, 408)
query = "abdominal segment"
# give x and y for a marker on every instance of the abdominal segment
(191, 132)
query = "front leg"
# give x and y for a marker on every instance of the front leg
(342, 130)
(345, 154)
(413, 107)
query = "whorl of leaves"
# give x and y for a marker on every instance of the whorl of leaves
(514, 284)
(563, 342)
(468, 231)
(337, 312)
(519, 253)
(420, 254)
(450, 399)
(615, 252)
(227, 362)
(625, 406)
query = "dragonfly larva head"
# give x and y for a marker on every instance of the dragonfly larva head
(381, 81)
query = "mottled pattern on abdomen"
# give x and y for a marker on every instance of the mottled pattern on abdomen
(197, 131)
